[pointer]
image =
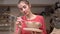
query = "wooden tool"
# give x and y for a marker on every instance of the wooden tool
(33, 30)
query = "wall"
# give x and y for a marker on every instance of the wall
(32, 1)
(43, 1)
(8, 1)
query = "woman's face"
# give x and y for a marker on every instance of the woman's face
(24, 8)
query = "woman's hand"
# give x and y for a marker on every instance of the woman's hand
(19, 22)
(18, 26)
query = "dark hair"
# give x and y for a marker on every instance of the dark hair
(24, 1)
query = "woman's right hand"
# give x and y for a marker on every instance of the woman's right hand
(18, 26)
(19, 22)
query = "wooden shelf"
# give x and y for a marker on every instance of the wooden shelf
(34, 5)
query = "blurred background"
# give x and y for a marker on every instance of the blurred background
(9, 11)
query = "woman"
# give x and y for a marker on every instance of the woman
(28, 20)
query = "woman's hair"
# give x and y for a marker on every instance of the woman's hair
(24, 1)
